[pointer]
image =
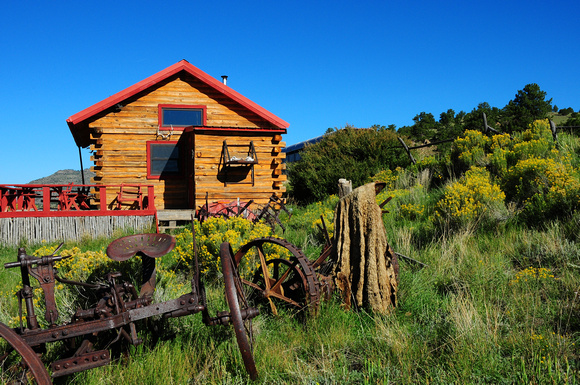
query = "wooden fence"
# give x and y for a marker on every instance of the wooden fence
(36, 230)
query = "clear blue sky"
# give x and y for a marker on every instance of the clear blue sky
(315, 64)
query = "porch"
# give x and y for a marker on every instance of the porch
(70, 212)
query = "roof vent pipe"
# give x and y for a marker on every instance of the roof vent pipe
(225, 80)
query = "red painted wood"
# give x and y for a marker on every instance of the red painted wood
(14, 204)
(46, 198)
(160, 108)
(173, 176)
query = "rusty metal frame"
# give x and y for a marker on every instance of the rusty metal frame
(118, 309)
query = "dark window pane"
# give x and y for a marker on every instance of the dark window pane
(164, 151)
(164, 167)
(181, 117)
(164, 159)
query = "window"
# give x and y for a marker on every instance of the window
(177, 116)
(163, 160)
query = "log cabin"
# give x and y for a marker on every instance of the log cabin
(187, 134)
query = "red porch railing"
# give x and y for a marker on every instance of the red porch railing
(71, 200)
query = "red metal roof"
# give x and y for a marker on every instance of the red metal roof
(77, 119)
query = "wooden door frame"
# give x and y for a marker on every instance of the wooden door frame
(190, 166)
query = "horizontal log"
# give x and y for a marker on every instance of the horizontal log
(120, 163)
(237, 139)
(263, 162)
(247, 187)
(119, 157)
(140, 144)
(233, 141)
(233, 195)
(259, 201)
(101, 131)
(206, 157)
(199, 164)
(238, 146)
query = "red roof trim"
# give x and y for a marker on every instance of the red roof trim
(183, 65)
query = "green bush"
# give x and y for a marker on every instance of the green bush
(354, 154)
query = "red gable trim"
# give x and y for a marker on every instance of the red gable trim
(183, 65)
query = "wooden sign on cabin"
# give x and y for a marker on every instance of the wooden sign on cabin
(187, 134)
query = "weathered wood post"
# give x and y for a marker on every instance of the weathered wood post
(365, 263)
(406, 148)
(344, 187)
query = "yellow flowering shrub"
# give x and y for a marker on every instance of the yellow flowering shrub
(412, 211)
(471, 198)
(210, 235)
(408, 190)
(534, 175)
(386, 176)
(544, 188)
(81, 266)
(470, 150)
(500, 153)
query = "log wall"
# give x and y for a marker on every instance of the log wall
(120, 145)
(232, 182)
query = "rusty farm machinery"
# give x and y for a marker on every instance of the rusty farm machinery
(289, 281)
(118, 309)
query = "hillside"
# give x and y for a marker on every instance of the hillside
(64, 177)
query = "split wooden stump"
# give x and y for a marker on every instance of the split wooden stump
(366, 267)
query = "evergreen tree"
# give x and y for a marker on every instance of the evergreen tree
(528, 105)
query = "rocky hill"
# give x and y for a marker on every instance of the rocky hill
(64, 177)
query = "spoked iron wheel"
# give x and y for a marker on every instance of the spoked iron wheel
(279, 282)
(19, 364)
(241, 313)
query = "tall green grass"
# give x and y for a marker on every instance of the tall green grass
(497, 307)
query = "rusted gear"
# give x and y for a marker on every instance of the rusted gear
(30, 366)
(290, 282)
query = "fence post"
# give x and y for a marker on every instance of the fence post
(45, 199)
(103, 198)
(150, 197)
(553, 128)
(408, 151)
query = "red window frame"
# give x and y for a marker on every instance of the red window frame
(180, 163)
(180, 107)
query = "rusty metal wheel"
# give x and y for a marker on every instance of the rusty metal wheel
(289, 281)
(19, 363)
(241, 313)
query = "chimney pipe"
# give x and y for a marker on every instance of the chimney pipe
(225, 80)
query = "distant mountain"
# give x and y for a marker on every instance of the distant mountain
(65, 176)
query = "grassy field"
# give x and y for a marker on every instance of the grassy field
(499, 307)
